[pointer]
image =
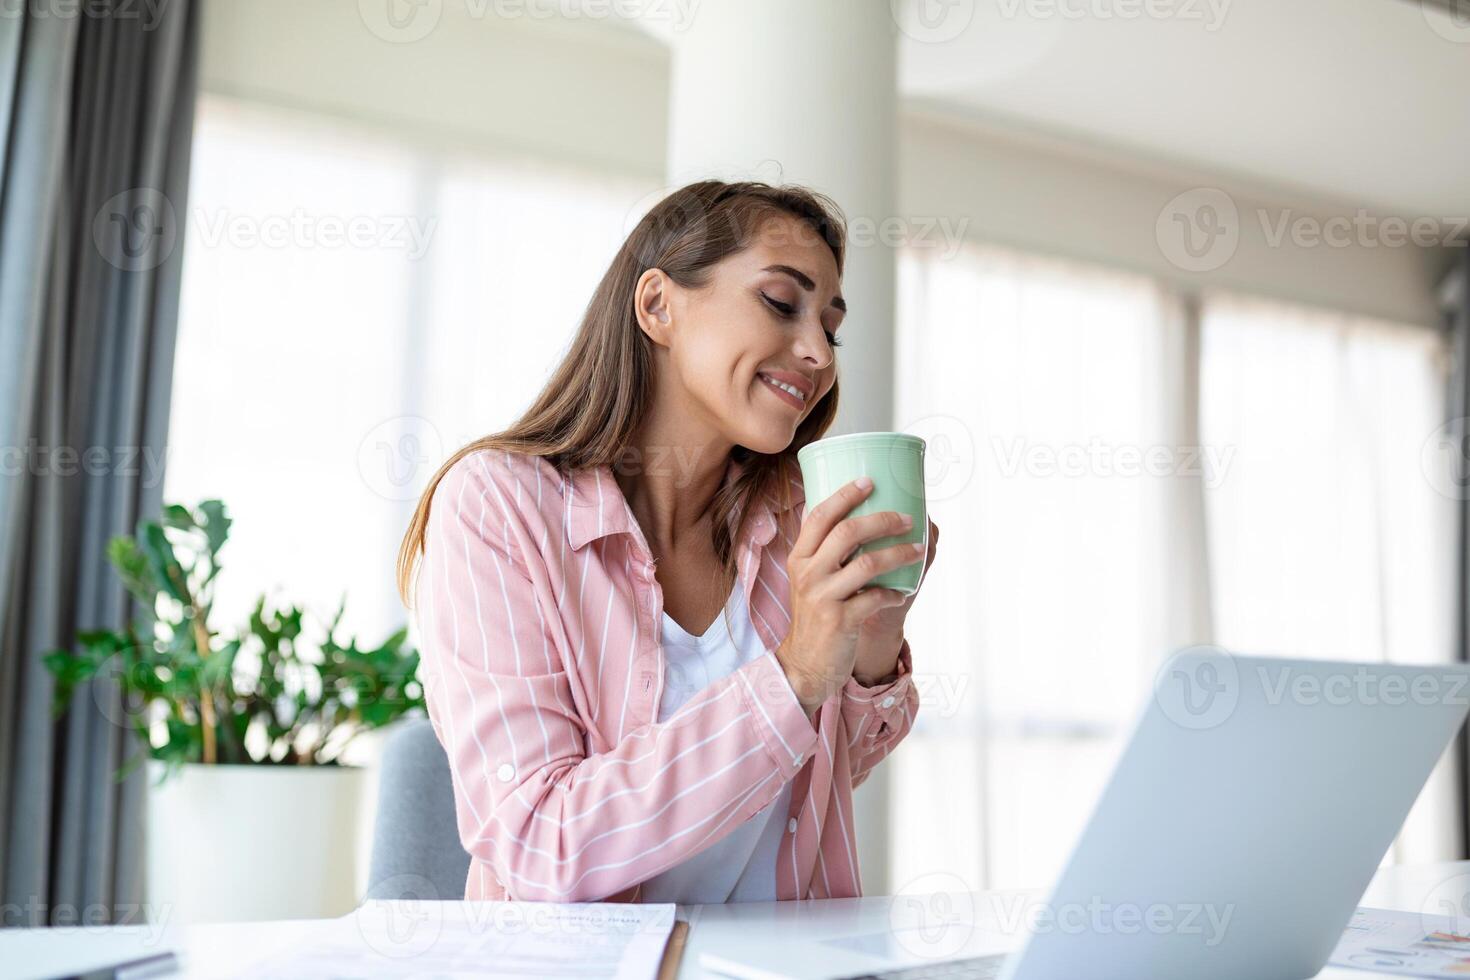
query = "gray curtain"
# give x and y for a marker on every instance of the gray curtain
(96, 110)
(1455, 297)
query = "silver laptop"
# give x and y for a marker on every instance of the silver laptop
(1238, 831)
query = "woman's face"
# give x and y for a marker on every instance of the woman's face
(770, 312)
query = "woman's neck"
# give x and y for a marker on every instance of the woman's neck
(671, 487)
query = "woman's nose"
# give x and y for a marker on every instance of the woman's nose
(814, 347)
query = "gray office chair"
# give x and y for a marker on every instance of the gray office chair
(416, 848)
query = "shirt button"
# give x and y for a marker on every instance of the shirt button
(791, 825)
(888, 701)
(506, 772)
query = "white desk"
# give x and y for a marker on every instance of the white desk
(219, 950)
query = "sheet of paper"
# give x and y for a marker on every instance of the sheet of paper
(394, 938)
(1406, 943)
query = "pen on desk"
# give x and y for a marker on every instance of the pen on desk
(148, 966)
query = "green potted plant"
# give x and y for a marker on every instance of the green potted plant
(253, 812)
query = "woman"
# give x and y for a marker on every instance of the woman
(654, 675)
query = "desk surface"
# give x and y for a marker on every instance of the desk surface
(218, 950)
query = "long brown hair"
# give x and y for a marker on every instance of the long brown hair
(590, 408)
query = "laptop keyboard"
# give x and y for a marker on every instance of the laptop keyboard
(975, 968)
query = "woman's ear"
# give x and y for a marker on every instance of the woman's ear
(651, 305)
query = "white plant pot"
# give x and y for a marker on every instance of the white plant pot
(242, 843)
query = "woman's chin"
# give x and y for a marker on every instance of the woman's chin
(769, 429)
(769, 440)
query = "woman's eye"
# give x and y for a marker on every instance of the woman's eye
(785, 309)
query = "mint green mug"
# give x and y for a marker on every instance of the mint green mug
(895, 463)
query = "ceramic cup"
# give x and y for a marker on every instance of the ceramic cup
(895, 462)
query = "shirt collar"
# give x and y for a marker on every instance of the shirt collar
(596, 506)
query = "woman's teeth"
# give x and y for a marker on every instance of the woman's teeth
(783, 386)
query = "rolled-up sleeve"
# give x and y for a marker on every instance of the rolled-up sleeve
(553, 823)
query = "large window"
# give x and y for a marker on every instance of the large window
(353, 310)
(1054, 605)
(1330, 537)
(1117, 476)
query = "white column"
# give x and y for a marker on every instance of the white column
(804, 91)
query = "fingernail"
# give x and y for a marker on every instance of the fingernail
(864, 482)
(918, 547)
(906, 520)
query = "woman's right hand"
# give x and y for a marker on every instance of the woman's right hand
(826, 608)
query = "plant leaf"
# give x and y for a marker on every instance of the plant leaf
(216, 525)
(177, 515)
(132, 567)
(164, 563)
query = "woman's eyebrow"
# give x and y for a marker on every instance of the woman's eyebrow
(805, 282)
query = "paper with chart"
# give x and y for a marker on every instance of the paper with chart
(393, 938)
(1406, 943)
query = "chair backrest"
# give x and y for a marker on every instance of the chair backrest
(416, 848)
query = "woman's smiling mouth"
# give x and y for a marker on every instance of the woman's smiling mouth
(788, 393)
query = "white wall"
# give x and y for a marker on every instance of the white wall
(586, 92)
(596, 93)
(1073, 200)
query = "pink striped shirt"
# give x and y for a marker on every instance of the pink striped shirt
(542, 666)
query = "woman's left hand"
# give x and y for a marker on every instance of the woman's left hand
(881, 634)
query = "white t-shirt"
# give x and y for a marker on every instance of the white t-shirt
(741, 866)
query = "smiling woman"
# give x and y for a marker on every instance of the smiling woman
(549, 567)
